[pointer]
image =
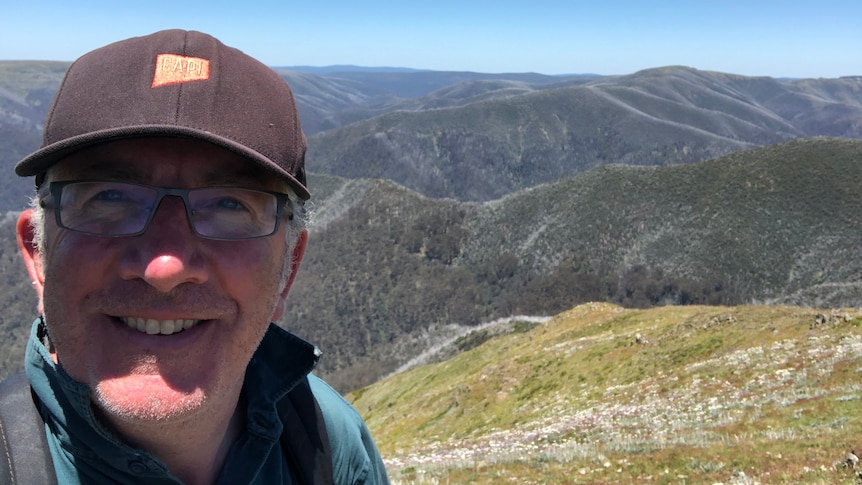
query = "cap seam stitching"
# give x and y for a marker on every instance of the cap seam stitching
(180, 90)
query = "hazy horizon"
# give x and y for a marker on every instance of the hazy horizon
(765, 38)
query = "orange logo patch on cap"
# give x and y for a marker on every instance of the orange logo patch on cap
(174, 69)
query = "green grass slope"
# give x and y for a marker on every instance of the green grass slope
(602, 394)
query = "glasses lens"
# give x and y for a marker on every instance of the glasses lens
(106, 208)
(233, 213)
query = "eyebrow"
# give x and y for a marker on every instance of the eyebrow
(112, 169)
(246, 175)
(117, 170)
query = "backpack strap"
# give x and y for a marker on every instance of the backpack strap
(304, 438)
(24, 454)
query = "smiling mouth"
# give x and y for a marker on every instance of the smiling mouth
(151, 326)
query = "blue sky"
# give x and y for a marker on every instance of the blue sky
(757, 38)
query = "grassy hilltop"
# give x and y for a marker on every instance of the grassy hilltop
(602, 394)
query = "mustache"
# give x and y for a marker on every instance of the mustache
(132, 298)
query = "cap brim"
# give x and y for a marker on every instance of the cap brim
(41, 160)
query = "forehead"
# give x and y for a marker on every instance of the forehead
(170, 162)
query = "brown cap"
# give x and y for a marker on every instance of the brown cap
(175, 83)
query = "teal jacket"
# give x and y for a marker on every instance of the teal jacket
(84, 452)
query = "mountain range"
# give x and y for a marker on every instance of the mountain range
(478, 137)
(442, 201)
(776, 224)
(481, 140)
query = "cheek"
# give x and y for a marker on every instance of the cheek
(251, 274)
(70, 248)
(72, 268)
(73, 262)
(66, 254)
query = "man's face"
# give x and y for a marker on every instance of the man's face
(96, 291)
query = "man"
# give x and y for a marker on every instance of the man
(166, 231)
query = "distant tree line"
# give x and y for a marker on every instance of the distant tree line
(573, 282)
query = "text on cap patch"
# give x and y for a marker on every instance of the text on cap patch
(174, 69)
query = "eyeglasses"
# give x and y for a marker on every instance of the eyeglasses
(101, 208)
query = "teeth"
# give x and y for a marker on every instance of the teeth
(158, 327)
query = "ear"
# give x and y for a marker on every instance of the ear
(30, 252)
(295, 259)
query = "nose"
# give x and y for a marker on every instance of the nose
(168, 253)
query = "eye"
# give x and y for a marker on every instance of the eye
(109, 195)
(231, 204)
(101, 194)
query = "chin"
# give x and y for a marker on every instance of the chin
(146, 399)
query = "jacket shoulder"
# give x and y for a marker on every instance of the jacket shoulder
(355, 458)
